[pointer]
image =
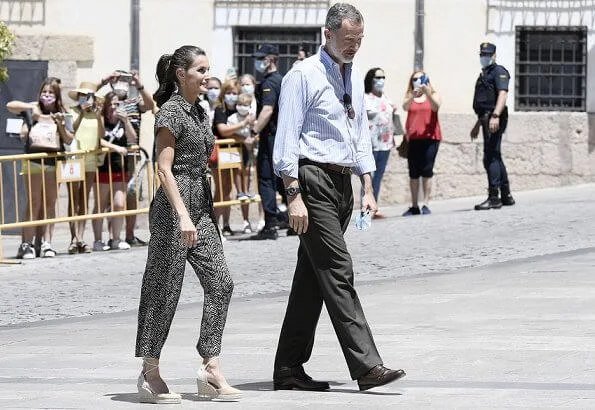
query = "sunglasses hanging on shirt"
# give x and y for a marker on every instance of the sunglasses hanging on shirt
(348, 106)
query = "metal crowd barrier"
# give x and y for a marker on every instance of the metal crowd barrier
(17, 170)
(231, 157)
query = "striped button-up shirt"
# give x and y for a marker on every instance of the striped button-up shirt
(313, 121)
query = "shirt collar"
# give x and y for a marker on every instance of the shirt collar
(182, 101)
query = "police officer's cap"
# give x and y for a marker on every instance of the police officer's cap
(266, 50)
(487, 48)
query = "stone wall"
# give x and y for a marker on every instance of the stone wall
(540, 150)
(64, 53)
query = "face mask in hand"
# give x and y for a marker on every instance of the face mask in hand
(231, 99)
(363, 220)
(485, 61)
(379, 84)
(243, 110)
(212, 94)
(248, 89)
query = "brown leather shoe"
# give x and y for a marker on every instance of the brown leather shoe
(379, 376)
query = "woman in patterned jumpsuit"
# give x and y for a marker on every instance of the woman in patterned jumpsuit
(182, 225)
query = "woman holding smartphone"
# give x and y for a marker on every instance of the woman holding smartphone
(422, 130)
(87, 117)
(40, 174)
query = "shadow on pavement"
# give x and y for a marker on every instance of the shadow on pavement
(124, 397)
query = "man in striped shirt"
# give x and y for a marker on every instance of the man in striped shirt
(322, 137)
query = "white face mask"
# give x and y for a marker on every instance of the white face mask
(485, 61)
(212, 94)
(231, 99)
(379, 84)
(243, 110)
(248, 89)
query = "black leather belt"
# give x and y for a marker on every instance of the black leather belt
(340, 169)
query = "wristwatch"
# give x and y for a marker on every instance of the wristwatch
(292, 191)
(494, 115)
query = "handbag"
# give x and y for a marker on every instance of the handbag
(44, 137)
(403, 148)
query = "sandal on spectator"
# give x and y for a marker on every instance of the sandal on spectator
(83, 247)
(73, 248)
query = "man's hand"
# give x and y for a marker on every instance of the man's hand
(368, 201)
(298, 214)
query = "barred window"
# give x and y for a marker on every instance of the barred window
(287, 39)
(551, 67)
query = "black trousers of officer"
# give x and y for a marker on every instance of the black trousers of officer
(267, 180)
(324, 272)
(492, 153)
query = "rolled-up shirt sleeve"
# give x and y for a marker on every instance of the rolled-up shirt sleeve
(292, 106)
(364, 161)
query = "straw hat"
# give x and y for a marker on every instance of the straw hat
(86, 87)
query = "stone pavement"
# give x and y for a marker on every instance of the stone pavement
(482, 309)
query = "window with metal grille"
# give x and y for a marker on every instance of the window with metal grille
(287, 39)
(551, 67)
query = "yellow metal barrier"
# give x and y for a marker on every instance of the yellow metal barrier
(67, 169)
(230, 161)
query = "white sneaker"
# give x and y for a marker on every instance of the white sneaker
(46, 250)
(26, 251)
(123, 245)
(99, 246)
(260, 225)
(247, 228)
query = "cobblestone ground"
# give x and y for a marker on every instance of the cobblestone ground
(453, 237)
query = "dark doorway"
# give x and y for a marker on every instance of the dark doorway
(23, 83)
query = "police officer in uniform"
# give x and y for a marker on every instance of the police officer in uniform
(489, 103)
(267, 98)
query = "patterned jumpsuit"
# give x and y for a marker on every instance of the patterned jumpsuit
(164, 272)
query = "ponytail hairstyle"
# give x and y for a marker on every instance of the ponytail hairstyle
(167, 65)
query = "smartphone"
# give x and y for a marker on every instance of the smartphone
(68, 121)
(125, 77)
(91, 99)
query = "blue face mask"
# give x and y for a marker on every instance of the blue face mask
(485, 61)
(248, 89)
(213, 94)
(260, 65)
(231, 99)
(379, 84)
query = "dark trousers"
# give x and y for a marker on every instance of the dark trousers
(492, 154)
(324, 272)
(267, 180)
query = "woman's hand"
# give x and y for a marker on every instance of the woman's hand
(121, 150)
(249, 121)
(122, 115)
(188, 234)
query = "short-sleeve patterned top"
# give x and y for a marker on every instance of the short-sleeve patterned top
(190, 125)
